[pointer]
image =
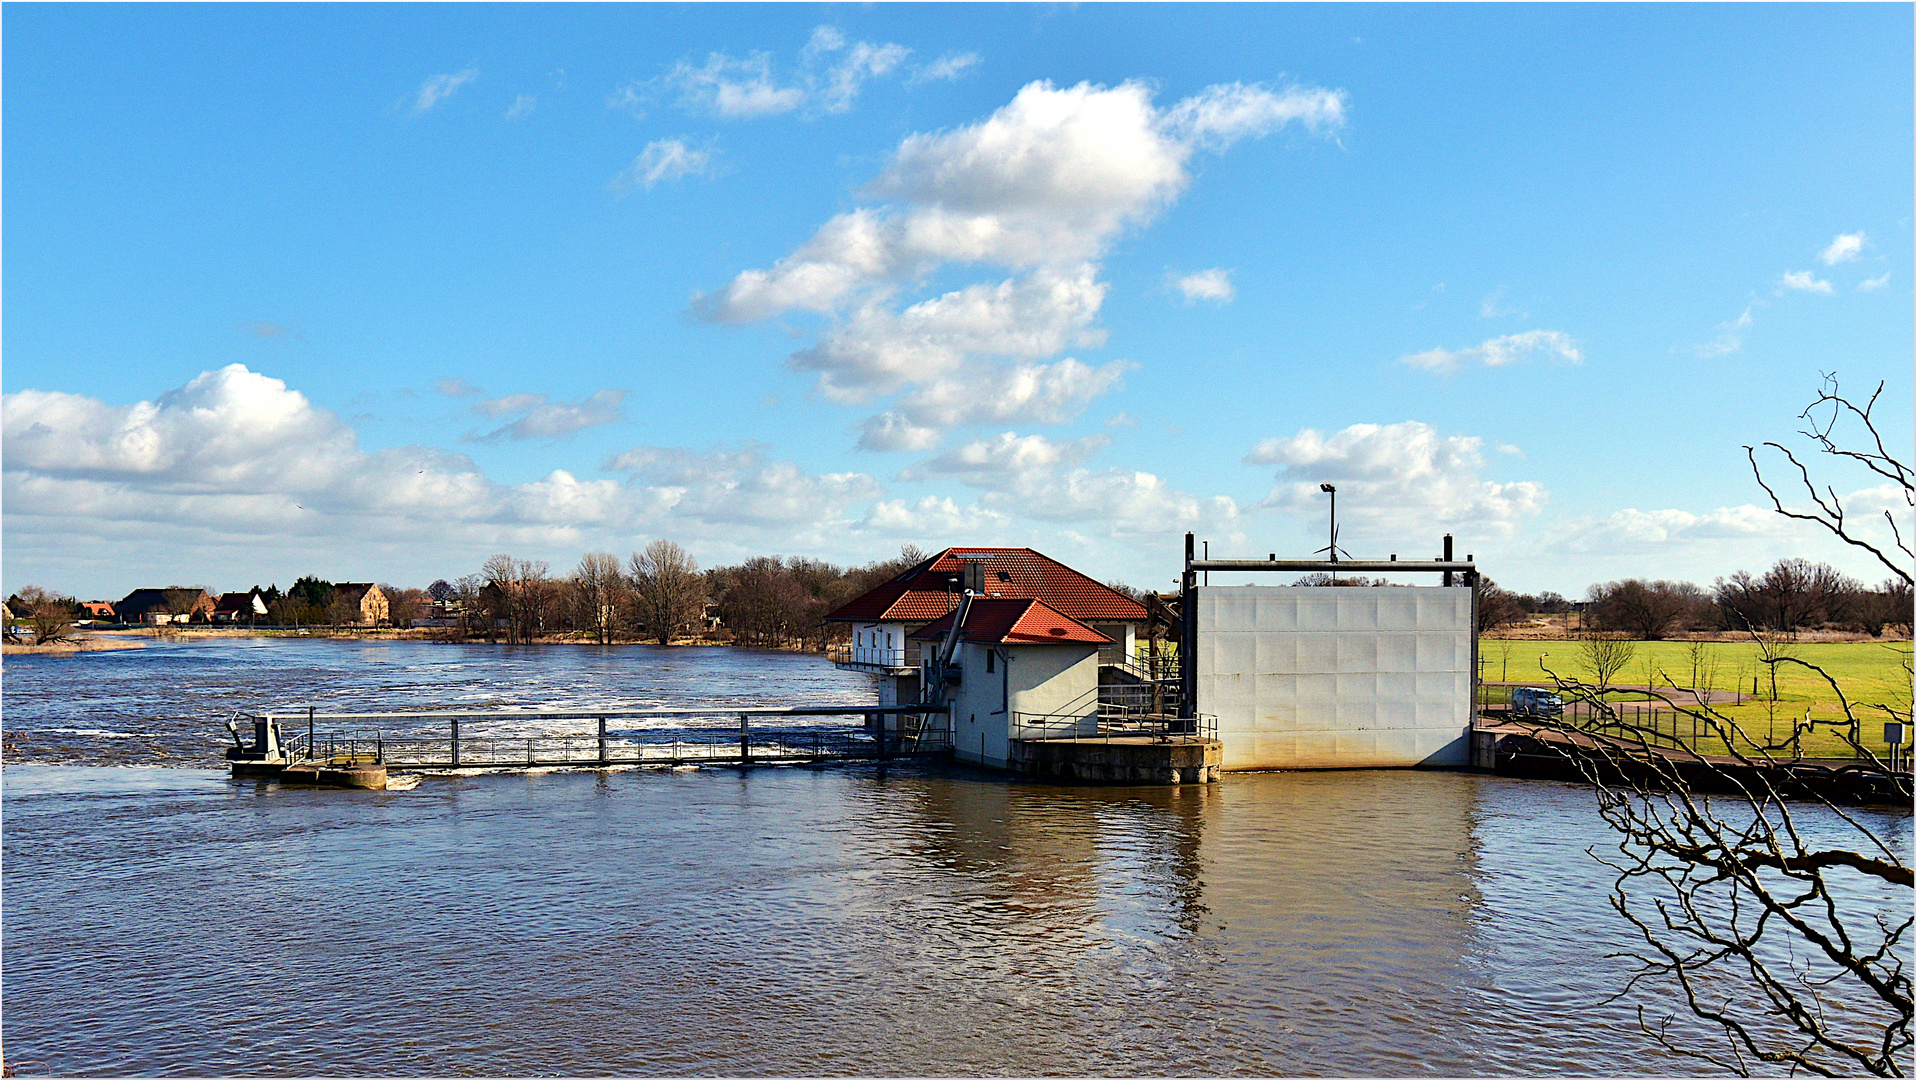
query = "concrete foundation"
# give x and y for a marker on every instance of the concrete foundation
(1139, 760)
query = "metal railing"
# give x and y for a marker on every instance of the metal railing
(919, 730)
(873, 655)
(1107, 726)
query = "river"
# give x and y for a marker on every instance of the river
(848, 919)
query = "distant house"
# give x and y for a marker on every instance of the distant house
(169, 605)
(98, 609)
(366, 599)
(239, 607)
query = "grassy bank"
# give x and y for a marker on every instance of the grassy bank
(1869, 672)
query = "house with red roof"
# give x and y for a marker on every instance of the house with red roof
(885, 619)
(1018, 669)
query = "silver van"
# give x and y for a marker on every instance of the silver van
(1535, 701)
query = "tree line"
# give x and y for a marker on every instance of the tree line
(657, 593)
(1791, 596)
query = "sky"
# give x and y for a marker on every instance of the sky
(373, 293)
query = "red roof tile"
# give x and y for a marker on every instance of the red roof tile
(1015, 622)
(926, 592)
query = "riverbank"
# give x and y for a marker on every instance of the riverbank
(69, 647)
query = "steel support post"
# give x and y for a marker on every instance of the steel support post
(601, 740)
(455, 742)
(744, 739)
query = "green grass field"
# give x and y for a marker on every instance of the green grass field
(1870, 673)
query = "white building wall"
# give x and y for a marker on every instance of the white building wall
(1336, 678)
(1039, 679)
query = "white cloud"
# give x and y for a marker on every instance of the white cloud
(534, 417)
(1729, 337)
(1394, 479)
(878, 350)
(1499, 352)
(989, 462)
(1872, 284)
(235, 473)
(1213, 285)
(1043, 186)
(889, 431)
(453, 386)
(932, 515)
(1805, 281)
(1844, 248)
(1032, 393)
(522, 107)
(440, 87)
(946, 67)
(663, 159)
(742, 485)
(1033, 477)
(832, 71)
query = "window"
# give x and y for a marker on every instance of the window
(991, 659)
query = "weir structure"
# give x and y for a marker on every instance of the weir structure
(357, 749)
(1329, 677)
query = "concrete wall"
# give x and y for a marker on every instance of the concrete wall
(1336, 678)
(1054, 679)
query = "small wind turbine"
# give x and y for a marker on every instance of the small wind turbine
(1331, 490)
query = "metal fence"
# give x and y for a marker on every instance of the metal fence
(1107, 726)
(917, 730)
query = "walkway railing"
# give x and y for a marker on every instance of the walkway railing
(746, 737)
(1108, 726)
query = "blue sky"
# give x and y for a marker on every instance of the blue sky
(375, 292)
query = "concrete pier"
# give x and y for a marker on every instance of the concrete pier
(1138, 759)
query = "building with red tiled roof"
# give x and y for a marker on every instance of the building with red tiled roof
(1018, 670)
(884, 618)
(1013, 622)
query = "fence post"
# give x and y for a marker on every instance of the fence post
(744, 739)
(601, 740)
(455, 742)
(312, 749)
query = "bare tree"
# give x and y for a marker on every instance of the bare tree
(1782, 928)
(601, 592)
(1821, 419)
(1650, 610)
(671, 594)
(1605, 655)
(50, 614)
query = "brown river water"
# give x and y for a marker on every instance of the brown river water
(847, 919)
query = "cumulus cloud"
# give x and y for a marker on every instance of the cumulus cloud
(453, 386)
(663, 159)
(1872, 284)
(988, 462)
(1030, 476)
(1844, 248)
(1805, 281)
(933, 515)
(877, 350)
(889, 431)
(521, 107)
(437, 89)
(741, 484)
(234, 457)
(1041, 187)
(1394, 478)
(832, 71)
(535, 417)
(1498, 352)
(1212, 285)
